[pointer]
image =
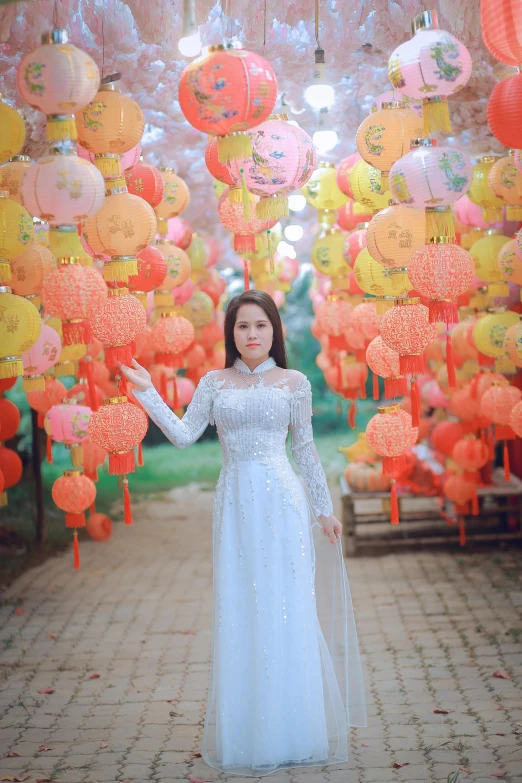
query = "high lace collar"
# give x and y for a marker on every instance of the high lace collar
(240, 366)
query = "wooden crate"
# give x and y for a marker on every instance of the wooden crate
(366, 518)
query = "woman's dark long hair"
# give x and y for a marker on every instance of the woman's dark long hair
(278, 350)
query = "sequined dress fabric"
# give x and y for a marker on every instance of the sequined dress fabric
(285, 681)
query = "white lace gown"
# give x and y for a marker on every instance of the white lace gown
(285, 680)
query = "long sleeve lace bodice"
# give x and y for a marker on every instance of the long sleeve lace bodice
(253, 415)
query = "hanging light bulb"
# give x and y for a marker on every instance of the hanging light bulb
(296, 202)
(319, 93)
(325, 137)
(294, 232)
(190, 43)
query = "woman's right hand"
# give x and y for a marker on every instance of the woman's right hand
(137, 375)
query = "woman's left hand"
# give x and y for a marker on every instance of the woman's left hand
(331, 528)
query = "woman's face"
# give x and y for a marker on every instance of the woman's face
(253, 332)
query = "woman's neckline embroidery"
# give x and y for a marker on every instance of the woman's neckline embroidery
(242, 367)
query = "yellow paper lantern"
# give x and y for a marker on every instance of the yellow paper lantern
(467, 240)
(29, 269)
(481, 193)
(110, 125)
(123, 226)
(12, 131)
(198, 310)
(384, 136)
(12, 175)
(67, 363)
(16, 232)
(20, 326)
(485, 253)
(178, 265)
(175, 199)
(378, 280)
(394, 234)
(328, 253)
(198, 252)
(366, 186)
(64, 242)
(510, 264)
(322, 191)
(489, 332)
(505, 180)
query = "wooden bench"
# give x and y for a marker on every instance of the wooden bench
(366, 518)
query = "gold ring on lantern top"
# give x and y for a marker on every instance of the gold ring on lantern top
(74, 473)
(19, 159)
(68, 260)
(409, 300)
(56, 36)
(324, 164)
(427, 20)
(172, 313)
(117, 291)
(361, 226)
(115, 185)
(393, 105)
(4, 194)
(500, 383)
(386, 409)
(283, 117)
(489, 159)
(220, 48)
(168, 169)
(114, 400)
(439, 241)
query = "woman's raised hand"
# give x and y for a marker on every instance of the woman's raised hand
(137, 375)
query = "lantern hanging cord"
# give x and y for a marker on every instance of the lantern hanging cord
(317, 25)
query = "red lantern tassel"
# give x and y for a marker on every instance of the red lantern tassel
(395, 387)
(127, 511)
(352, 412)
(92, 509)
(163, 386)
(375, 387)
(76, 333)
(76, 551)
(394, 516)
(74, 520)
(507, 472)
(491, 445)
(118, 354)
(393, 465)
(244, 243)
(41, 418)
(49, 453)
(141, 463)
(89, 371)
(336, 342)
(121, 463)
(246, 276)
(446, 312)
(176, 394)
(450, 363)
(339, 376)
(412, 364)
(462, 531)
(415, 404)
(475, 504)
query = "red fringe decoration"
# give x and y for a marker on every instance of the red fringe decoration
(352, 412)
(462, 532)
(415, 404)
(507, 472)
(445, 312)
(395, 387)
(121, 463)
(175, 361)
(41, 418)
(336, 342)
(244, 243)
(246, 275)
(141, 463)
(412, 364)
(127, 511)
(89, 372)
(475, 505)
(491, 445)
(485, 361)
(92, 509)
(394, 517)
(76, 551)
(49, 450)
(74, 520)
(504, 432)
(391, 465)
(176, 394)
(339, 375)
(360, 356)
(375, 387)
(163, 386)
(450, 363)
(76, 333)
(362, 388)
(118, 354)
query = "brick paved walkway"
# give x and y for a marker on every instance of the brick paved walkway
(433, 627)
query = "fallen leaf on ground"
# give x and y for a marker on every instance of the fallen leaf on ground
(94, 676)
(11, 754)
(442, 712)
(188, 630)
(104, 744)
(500, 734)
(176, 714)
(398, 766)
(199, 780)
(50, 635)
(19, 610)
(46, 690)
(43, 748)
(497, 774)
(44, 780)
(502, 675)
(363, 745)
(16, 778)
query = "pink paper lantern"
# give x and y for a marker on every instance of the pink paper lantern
(283, 160)
(68, 423)
(184, 292)
(180, 232)
(430, 66)
(186, 389)
(232, 217)
(469, 214)
(40, 357)
(63, 189)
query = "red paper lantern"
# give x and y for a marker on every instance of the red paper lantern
(383, 361)
(74, 493)
(226, 91)
(460, 491)
(9, 419)
(343, 173)
(366, 320)
(74, 294)
(93, 457)
(99, 527)
(441, 272)
(515, 419)
(152, 271)
(11, 468)
(42, 400)
(445, 435)
(333, 317)
(496, 405)
(145, 181)
(501, 23)
(232, 217)
(406, 329)
(470, 453)
(390, 434)
(354, 243)
(351, 214)
(172, 335)
(504, 112)
(465, 406)
(85, 395)
(219, 170)
(119, 322)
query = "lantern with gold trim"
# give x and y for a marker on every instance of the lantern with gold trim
(384, 362)
(145, 181)
(16, 233)
(322, 191)
(406, 328)
(394, 234)
(40, 357)
(20, 328)
(367, 186)
(510, 262)
(29, 270)
(67, 423)
(117, 325)
(496, 405)
(485, 252)
(505, 180)
(12, 131)
(74, 493)
(175, 199)
(12, 175)
(480, 192)
(489, 336)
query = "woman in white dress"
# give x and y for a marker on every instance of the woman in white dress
(285, 679)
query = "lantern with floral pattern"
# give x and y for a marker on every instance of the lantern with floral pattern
(406, 329)
(394, 234)
(20, 327)
(510, 262)
(40, 357)
(383, 361)
(232, 217)
(480, 192)
(42, 399)
(485, 253)
(367, 186)
(68, 422)
(12, 175)
(343, 173)
(12, 131)
(172, 335)
(505, 180)
(175, 199)
(322, 191)
(152, 271)
(29, 269)
(16, 233)
(441, 272)
(74, 493)
(117, 324)
(333, 317)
